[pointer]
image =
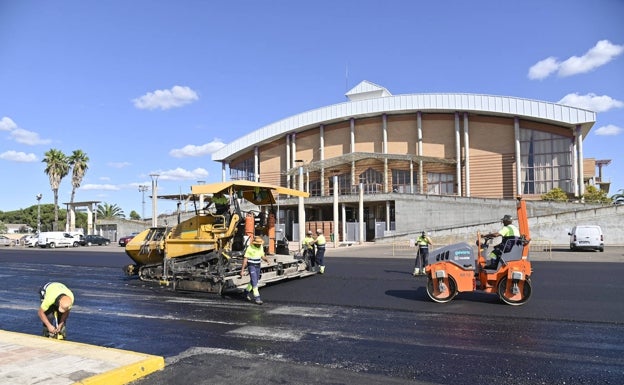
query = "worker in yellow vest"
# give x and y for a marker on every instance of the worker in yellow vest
(320, 243)
(308, 249)
(422, 254)
(254, 255)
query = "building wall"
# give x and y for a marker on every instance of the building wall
(491, 155)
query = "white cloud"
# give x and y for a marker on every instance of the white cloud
(542, 69)
(600, 54)
(182, 174)
(119, 164)
(106, 187)
(7, 124)
(166, 99)
(15, 156)
(591, 102)
(609, 130)
(21, 135)
(192, 150)
(28, 137)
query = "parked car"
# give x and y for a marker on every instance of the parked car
(90, 240)
(6, 241)
(586, 237)
(30, 240)
(53, 239)
(123, 241)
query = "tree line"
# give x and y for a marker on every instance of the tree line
(58, 166)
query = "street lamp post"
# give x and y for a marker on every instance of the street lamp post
(39, 196)
(154, 197)
(143, 188)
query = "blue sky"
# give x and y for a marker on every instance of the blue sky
(155, 86)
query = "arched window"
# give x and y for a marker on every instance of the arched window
(372, 181)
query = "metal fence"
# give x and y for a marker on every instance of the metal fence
(542, 246)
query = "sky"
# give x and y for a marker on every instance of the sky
(154, 87)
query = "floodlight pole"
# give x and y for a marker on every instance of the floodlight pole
(39, 196)
(143, 188)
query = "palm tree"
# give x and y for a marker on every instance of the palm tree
(78, 161)
(107, 211)
(57, 167)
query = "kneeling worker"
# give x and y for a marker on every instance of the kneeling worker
(56, 301)
(254, 255)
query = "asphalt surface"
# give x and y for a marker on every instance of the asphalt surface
(367, 320)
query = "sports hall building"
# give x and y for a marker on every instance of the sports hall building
(394, 152)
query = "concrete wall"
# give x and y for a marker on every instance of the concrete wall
(456, 219)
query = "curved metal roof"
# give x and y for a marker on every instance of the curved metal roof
(546, 112)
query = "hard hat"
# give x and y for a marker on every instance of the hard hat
(319, 231)
(258, 241)
(309, 232)
(507, 218)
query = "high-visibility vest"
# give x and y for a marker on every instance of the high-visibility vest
(422, 242)
(254, 254)
(320, 240)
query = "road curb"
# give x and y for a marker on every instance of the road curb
(27, 359)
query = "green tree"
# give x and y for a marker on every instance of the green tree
(595, 195)
(134, 215)
(619, 197)
(107, 211)
(78, 161)
(556, 194)
(57, 167)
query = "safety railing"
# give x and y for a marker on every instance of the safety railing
(542, 246)
(403, 248)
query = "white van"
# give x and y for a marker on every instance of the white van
(54, 239)
(586, 237)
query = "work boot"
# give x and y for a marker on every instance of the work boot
(416, 272)
(247, 295)
(258, 301)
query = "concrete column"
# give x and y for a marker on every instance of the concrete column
(384, 145)
(361, 213)
(387, 215)
(336, 212)
(458, 183)
(256, 165)
(322, 157)
(223, 172)
(467, 153)
(154, 199)
(575, 166)
(419, 149)
(581, 180)
(288, 161)
(344, 222)
(518, 156)
(352, 125)
(411, 177)
(302, 219)
(293, 147)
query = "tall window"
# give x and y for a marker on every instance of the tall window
(315, 188)
(344, 184)
(243, 170)
(440, 184)
(401, 182)
(372, 181)
(546, 162)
